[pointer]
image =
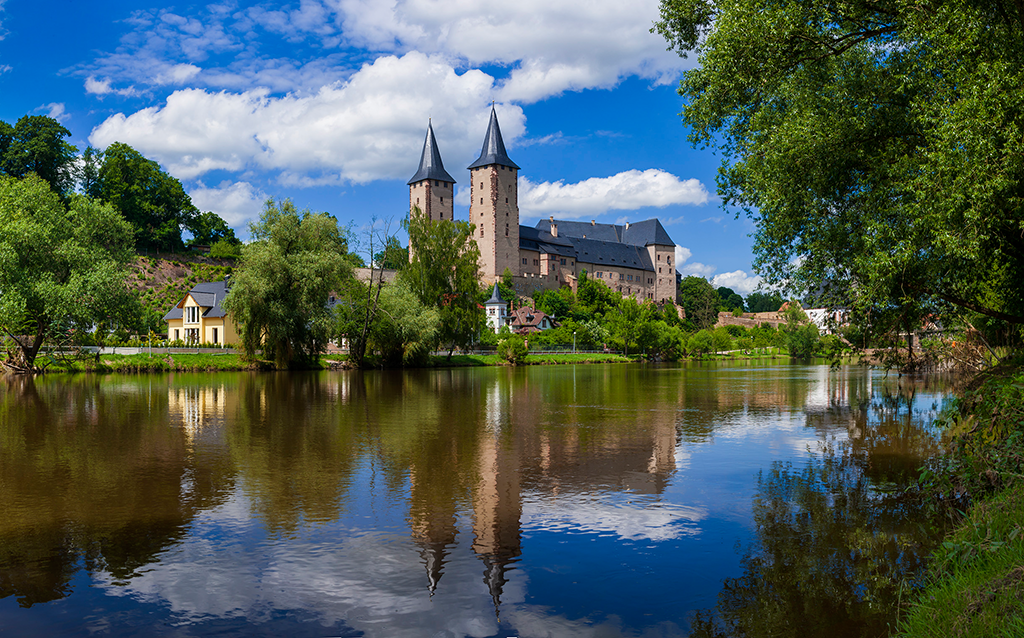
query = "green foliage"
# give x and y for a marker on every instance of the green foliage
(279, 292)
(403, 330)
(153, 202)
(875, 145)
(224, 248)
(700, 301)
(764, 302)
(35, 144)
(631, 325)
(700, 344)
(721, 339)
(394, 256)
(802, 341)
(513, 349)
(60, 268)
(208, 229)
(443, 275)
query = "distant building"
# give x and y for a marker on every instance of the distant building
(633, 259)
(199, 318)
(525, 320)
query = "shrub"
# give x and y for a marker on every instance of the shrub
(513, 349)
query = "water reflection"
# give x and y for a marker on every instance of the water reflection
(563, 500)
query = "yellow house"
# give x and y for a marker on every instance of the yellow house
(199, 318)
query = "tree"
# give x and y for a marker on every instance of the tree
(764, 302)
(153, 202)
(35, 144)
(874, 144)
(513, 349)
(393, 256)
(209, 228)
(443, 274)
(630, 325)
(279, 292)
(700, 301)
(61, 268)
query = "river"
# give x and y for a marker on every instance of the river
(590, 500)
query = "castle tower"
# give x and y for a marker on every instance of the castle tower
(432, 189)
(494, 206)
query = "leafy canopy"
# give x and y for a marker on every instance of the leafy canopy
(279, 293)
(443, 275)
(61, 268)
(877, 145)
(35, 144)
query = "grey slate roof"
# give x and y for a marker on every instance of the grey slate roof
(609, 253)
(207, 295)
(495, 296)
(431, 166)
(493, 151)
(545, 242)
(643, 233)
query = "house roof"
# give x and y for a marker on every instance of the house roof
(207, 295)
(431, 166)
(608, 253)
(645, 233)
(542, 241)
(529, 318)
(495, 296)
(493, 150)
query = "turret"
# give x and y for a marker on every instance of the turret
(432, 189)
(494, 205)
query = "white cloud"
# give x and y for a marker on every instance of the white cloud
(4, 68)
(554, 46)
(55, 110)
(687, 268)
(628, 190)
(103, 87)
(715, 219)
(370, 127)
(629, 522)
(738, 280)
(237, 203)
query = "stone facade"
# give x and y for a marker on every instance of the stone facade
(634, 260)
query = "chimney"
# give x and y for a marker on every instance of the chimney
(227, 282)
(627, 225)
(593, 222)
(554, 227)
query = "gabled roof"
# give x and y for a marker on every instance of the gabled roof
(529, 318)
(645, 233)
(431, 166)
(493, 151)
(207, 295)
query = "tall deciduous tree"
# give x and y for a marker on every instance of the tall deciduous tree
(61, 267)
(35, 144)
(700, 301)
(877, 145)
(443, 274)
(280, 290)
(153, 202)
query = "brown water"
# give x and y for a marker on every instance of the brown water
(601, 500)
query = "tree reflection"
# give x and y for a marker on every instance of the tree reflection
(91, 476)
(831, 557)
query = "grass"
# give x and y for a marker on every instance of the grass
(977, 577)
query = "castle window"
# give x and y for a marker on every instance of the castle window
(417, 201)
(563, 262)
(481, 201)
(659, 257)
(659, 269)
(481, 185)
(442, 200)
(524, 261)
(506, 200)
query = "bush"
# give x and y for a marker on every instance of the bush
(513, 349)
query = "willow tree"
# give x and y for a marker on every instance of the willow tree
(279, 293)
(876, 144)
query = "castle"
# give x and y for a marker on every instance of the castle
(633, 259)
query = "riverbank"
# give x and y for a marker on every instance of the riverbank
(976, 579)
(230, 361)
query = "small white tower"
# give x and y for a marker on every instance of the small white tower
(497, 310)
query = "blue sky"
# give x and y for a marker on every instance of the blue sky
(326, 102)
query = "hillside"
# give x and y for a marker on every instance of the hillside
(164, 279)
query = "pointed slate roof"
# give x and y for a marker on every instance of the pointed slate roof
(493, 151)
(495, 296)
(431, 166)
